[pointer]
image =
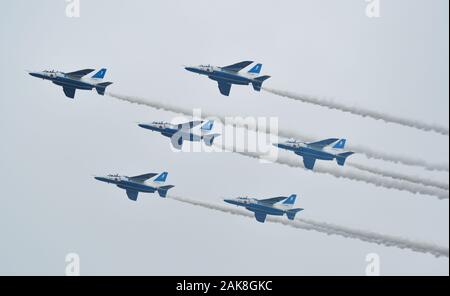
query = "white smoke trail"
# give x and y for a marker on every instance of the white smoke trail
(294, 162)
(399, 176)
(389, 183)
(361, 112)
(368, 152)
(331, 229)
(373, 154)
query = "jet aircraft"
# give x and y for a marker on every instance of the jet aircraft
(75, 80)
(142, 183)
(228, 75)
(277, 206)
(318, 150)
(183, 132)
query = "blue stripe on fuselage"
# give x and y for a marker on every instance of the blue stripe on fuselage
(265, 209)
(318, 154)
(228, 77)
(135, 186)
(62, 81)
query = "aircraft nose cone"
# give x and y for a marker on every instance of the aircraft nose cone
(230, 201)
(189, 69)
(37, 74)
(145, 125)
(102, 179)
(34, 74)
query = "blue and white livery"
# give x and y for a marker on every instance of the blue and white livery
(328, 149)
(277, 206)
(141, 183)
(72, 81)
(232, 74)
(178, 133)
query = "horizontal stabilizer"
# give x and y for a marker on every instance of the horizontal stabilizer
(258, 81)
(340, 158)
(162, 191)
(101, 87)
(292, 212)
(209, 139)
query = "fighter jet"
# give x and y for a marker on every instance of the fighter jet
(228, 75)
(277, 206)
(183, 132)
(75, 80)
(318, 150)
(134, 185)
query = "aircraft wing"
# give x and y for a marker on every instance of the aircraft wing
(177, 141)
(80, 73)
(69, 91)
(238, 66)
(190, 124)
(309, 162)
(260, 216)
(272, 200)
(323, 143)
(143, 177)
(132, 194)
(224, 87)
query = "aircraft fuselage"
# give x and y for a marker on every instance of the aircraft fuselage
(124, 183)
(223, 75)
(169, 132)
(62, 80)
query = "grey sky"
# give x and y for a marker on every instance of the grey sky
(51, 145)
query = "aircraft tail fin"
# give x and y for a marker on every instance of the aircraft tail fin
(207, 126)
(101, 87)
(290, 200)
(258, 81)
(340, 158)
(339, 144)
(100, 74)
(162, 177)
(162, 191)
(292, 212)
(256, 69)
(209, 139)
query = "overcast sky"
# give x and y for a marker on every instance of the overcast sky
(51, 146)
